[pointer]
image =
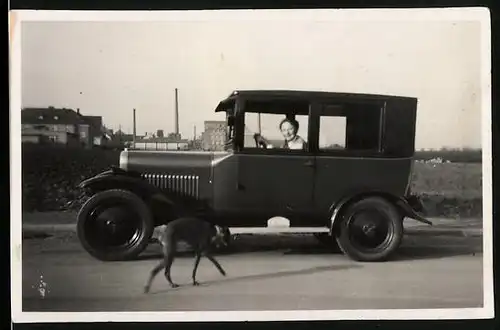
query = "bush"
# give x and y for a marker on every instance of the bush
(51, 175)
(452, 207)
(461, 180)
(453, 156)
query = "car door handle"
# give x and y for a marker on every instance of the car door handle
(309, 163)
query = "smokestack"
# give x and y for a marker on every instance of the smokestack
(120, 135)
(176, 113)
(134, 123)
(259, 125)
(194, 136)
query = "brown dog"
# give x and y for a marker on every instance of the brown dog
(200, 235)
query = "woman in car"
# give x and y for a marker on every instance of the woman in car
(289, 129)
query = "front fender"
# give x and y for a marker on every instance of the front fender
(409, 206)
(117, 178)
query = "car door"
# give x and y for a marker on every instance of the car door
(276, 183)
(348, 159)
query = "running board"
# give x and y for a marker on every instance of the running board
(278, 230)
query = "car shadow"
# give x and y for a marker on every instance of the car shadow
(265, 276)
(419, 247)
(416, 247)
(406, 253)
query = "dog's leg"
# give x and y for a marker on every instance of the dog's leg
(195, 269)
(169, 252)
(153, 274)
(212, 259)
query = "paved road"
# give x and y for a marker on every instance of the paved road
(267, 273)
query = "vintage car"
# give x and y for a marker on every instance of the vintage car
(355, 193)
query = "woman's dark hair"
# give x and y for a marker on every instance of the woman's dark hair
(292, 122)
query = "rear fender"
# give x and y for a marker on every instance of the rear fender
(412, 207)
(408, 206)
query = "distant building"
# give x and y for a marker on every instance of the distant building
(174, 136)
(61, 126)
(96, 131)
(125, 137)
(164, 143)
(214, 136)
(159, 133)
(196, 144)
(149, 135)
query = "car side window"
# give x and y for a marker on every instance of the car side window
(356, 128)
(276, 130)
(332, 133)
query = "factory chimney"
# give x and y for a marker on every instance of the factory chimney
(134, 134)
(176, 113)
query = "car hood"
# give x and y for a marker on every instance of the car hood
(174, 162)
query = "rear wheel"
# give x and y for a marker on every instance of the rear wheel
(370, 230)
(114, 225)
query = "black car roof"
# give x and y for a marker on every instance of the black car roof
(300, 94)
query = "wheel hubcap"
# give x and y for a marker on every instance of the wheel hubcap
(113, 225)
(369, 230)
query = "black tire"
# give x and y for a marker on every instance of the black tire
(372, 212)
(131, 216)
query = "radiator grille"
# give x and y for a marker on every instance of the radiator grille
(185, 185)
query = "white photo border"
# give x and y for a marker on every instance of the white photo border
(16, 18)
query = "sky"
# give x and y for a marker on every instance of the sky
(109, 68)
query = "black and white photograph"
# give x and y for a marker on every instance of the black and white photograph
(251, 165)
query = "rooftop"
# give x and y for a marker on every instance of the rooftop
(61, 116)
(303, 94)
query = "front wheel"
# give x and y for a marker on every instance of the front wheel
(114, 225)
(370, 230)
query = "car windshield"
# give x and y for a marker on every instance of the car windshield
(229, 134)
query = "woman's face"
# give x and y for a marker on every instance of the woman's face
(288, 131)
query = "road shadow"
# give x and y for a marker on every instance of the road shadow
(29, 235)
(266, 276)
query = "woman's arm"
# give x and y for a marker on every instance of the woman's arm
(262, 141)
